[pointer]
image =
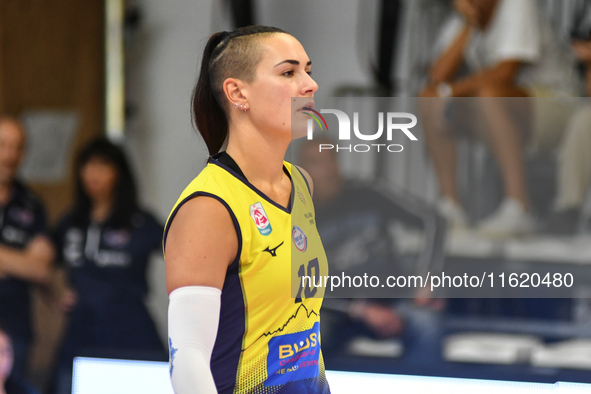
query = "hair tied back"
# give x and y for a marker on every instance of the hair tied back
(223, 35)
(219, 44)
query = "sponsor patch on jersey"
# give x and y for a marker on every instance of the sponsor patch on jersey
(293, 357)
(300, 240)
(259, 216)
(117, 238)
(22, 216)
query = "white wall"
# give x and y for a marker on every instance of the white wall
(162, 68)
(327, 29)
(165, 150)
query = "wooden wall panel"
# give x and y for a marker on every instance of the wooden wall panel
(52, 58)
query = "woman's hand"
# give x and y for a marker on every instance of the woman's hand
(383, 320)
(67, 300)
(40, 248)
(423, 298)
(468, 10)
(583, 51)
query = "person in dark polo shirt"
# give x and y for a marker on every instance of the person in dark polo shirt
(26, 253)
(105, 242)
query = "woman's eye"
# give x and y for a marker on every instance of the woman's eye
(288, 73)
(309, 72)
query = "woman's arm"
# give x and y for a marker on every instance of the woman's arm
(448, 64)
(201, 243)
(583, 51)
(32, 263)
(502, 74)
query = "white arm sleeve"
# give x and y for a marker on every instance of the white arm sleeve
(193, 318)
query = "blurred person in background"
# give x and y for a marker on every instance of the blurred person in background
(10, 384)
(105, 242)
(510, 50)
(26, 253)
(574, 171)
(354, 221)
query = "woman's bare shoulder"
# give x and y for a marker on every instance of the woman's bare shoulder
(200, 244)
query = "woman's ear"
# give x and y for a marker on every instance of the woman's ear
(233, 90)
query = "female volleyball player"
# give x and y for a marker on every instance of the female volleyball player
(237, 230)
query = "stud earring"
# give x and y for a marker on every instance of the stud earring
(235, 105)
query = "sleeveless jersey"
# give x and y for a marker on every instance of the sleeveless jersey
(268, 339)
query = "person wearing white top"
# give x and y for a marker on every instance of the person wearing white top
(510, 50)
(574, 160)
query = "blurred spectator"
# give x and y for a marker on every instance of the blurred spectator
(354, 222)
(574, 174)
(105, 242)
(510, 50)
(25, 253)
(10, 384)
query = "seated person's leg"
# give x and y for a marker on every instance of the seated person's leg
(506, 137)
(422, 335)
(337, 329)
(442, 148)
(574, 174)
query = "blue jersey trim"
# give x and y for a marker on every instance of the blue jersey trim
(227, 350)
(305, 180)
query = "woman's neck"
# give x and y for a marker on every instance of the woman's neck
(259, 158)
(5, 193)
(101, 209)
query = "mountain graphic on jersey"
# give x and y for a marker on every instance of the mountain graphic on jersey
(285, 327)
(293, 356)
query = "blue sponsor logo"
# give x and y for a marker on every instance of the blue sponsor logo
(299, 239)
(172, 354)
(293, 357)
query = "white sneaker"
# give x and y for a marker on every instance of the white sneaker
(453, 213)
(510, 219)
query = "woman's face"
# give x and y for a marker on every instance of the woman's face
(99, 177)
(282, 86)
(6, 357)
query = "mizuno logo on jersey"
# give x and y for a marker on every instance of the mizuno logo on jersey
(273, 252)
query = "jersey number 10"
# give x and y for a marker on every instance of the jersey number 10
(307, 279)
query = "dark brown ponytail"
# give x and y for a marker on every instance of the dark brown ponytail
(238, 59)
(209, 116)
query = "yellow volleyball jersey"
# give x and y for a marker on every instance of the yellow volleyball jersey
(267, 341)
